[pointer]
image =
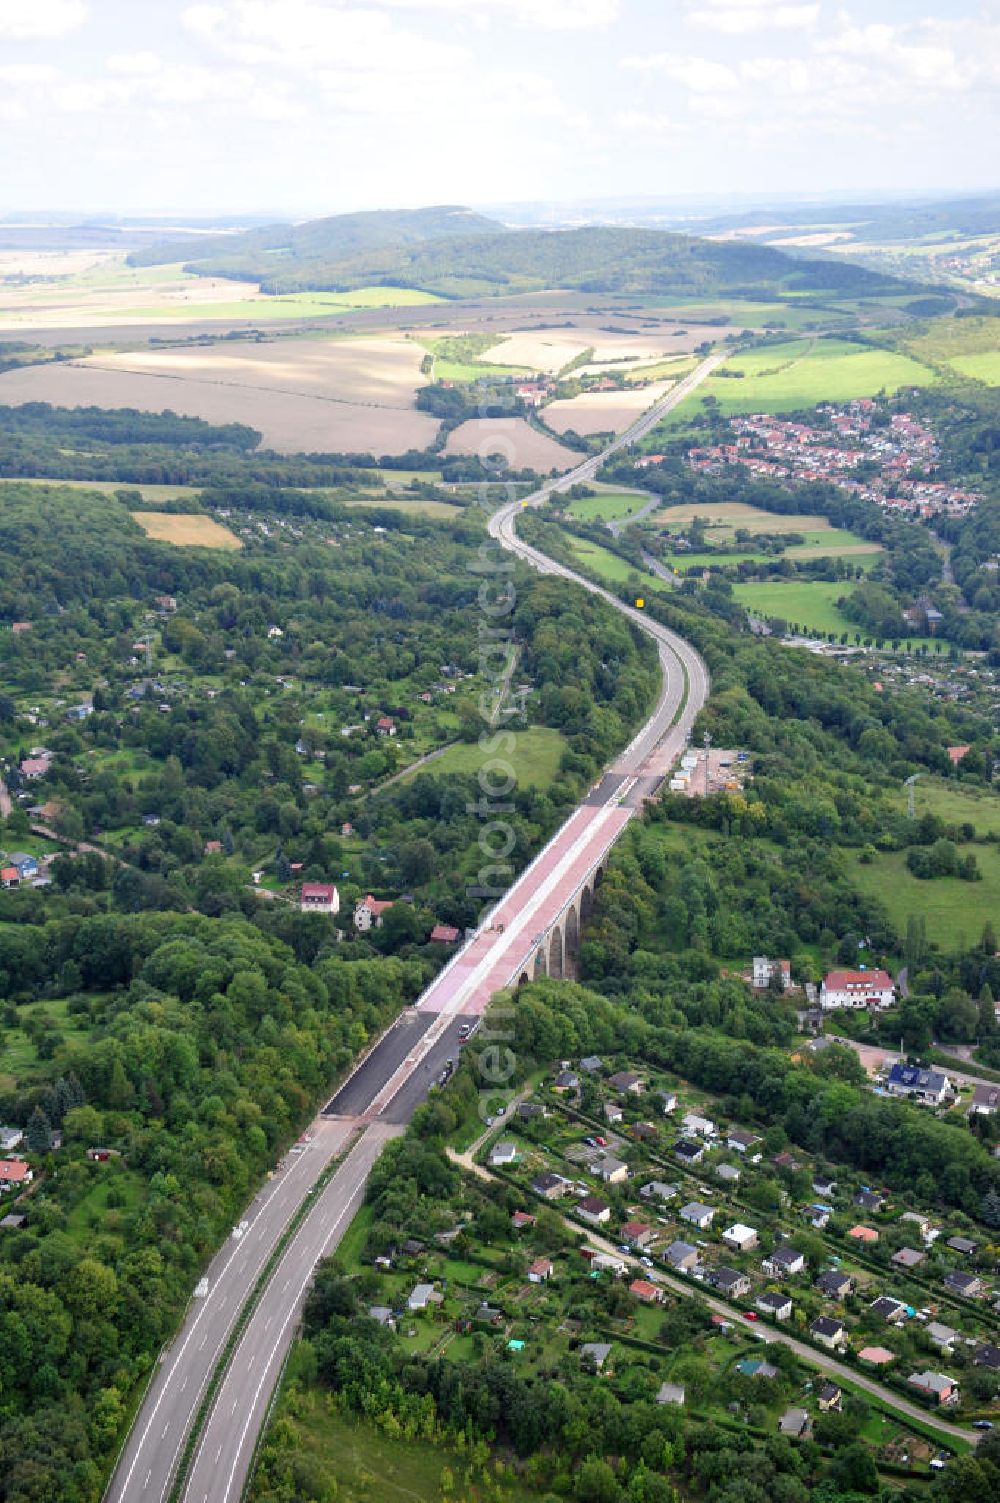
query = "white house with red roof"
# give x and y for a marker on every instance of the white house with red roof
(319, 897)
(369, 911)
(857, 989)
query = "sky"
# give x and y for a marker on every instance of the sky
(304, 107)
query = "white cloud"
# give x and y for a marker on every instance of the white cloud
(740, 17)
(544, 15)
(702, 75)
(312, 37)
(134, 64)
(35, 20)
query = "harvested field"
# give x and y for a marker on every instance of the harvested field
(384, 372)
(185, 531)
(551, 349)
(292, 398)
(603, 411)
(521, 446)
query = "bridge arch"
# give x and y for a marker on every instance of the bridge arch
(586, 903)
(540, 966)
(556, 953)
(523, 979)
(571, 939)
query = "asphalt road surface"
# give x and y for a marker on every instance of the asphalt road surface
(385, 1089)
(222, 1460)
(154, 1445)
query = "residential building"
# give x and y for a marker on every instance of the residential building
(697, 1214)
(869, 1200)
(319, 897)
(10, 876)
(596, 1352)
(549, 1185)
(740, 1141)
(602, 1262)
(657, 1190)
(856, 989)
(927, 1087)
(728, 1173)
(668, 1102)
(383, 1315)
(644, 1291)
(369, 911)
(611, 1171)
(867, 1235)
(828, 1331)
(627, 1082)
(794, 1422)
(27, 866)
(775, 1303)
(965, 1284)
(730, 1281)
(445, 934)
(784, 1262)
(941, 1336)
(765, 971)
(10, 1138)
(985, 1101)
(594, 1210)
(520, 1221)
(987, 1356)
(740, 1237)
(756, 1367)
(593, 1064)
(682, 1256)
(907, 1257)
(695, 1125)
(936, 1386)
(963, 1245)
(14, 1172)
(876, 1356)
(540, 1270)
(420, 1296)
(566, 1080)
(637, 1233)
(670, 1393)
(888, 1309)
(503, 1153)
(829, 1397)
(688, 1151)
(613, 1112)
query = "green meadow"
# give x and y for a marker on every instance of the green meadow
(608, 565)
(982, 367)
(535, 758)
(293, 305)
(608, 506)
(810, 604)
(954, 911)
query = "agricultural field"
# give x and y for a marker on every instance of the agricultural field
(185, 530)
(521, 446)
(722, 519)
(110, 487)
(808, 604)
(982, 367)
(301, 395)
(603, 411)
(410, 506)
(96, 288)
(800, 373)
(552, 349)
(955, 911)
(535, 758)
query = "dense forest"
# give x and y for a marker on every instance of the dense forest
(596, 259)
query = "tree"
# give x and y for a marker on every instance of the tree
(987, 1025)
(38, 1136)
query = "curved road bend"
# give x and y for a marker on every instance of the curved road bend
(388, 1085)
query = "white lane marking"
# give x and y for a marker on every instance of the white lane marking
(148, 1475)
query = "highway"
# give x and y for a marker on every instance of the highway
(382, 1093)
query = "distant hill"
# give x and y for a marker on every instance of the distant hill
(305, 250)
(457, 253)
